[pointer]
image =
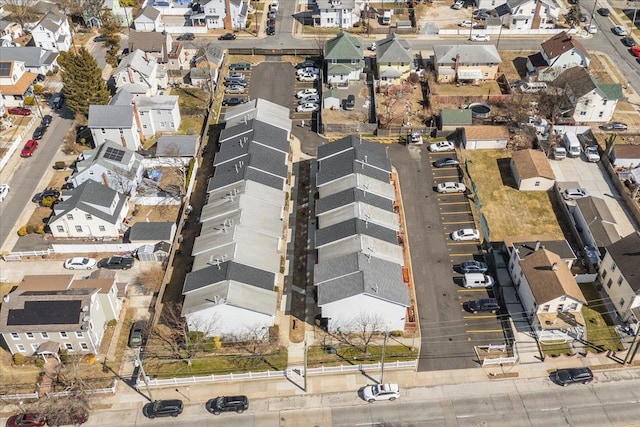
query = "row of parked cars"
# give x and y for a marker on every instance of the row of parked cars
(308, 99)
(174, 407)
(236, 82)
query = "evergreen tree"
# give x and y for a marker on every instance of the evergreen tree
(82, 79)
(110, 29)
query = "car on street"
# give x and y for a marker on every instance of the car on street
(314, 99)
(446, 162)
(480, 11)
(458, 5)
(574, 193)
(100, 38)
(465, 234)
(308, 107)
(307, 64)
(29, 148)
(614, 126)
(467, 24)
(227, 36)
(271, 23)
(271, 30)
(49, 192)
(479, 38)
(619, 30)
(308, 77)
(116, 263)
(163, 408)
(483, 305)
(58, 101)
(635, 51)
(240, 66)
(312, 70)
(221, 404)
(603, 11)
(46, 120)
(28, 419)
(272, 14)
(451, 187)
(19, 111)
(39, 132)
(234, 100)
(80, 263)
(375, 392)
(136, 333)
(186, 37)
(474, 267)
(306, 92)
(628, 41)
(372, 47)
(591, 152)
(565, 377)
(4, 191)
(442, 146)
(234, 89)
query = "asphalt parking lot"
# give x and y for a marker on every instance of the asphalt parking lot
(448, 332)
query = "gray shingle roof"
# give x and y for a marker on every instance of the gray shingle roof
(152, 231)
(227, 271)
(111, 116)
(601, 221)
(231, 172)
(352, 227)
(352, 195)
(33, 57)
(469, 54)
(626, 254)
(394, 49)
(351, 155)
(258, 131)
(138, 61)
(150, 13)
(177, 145)
(85, 197)
(356, 274)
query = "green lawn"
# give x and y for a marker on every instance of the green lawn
(555, 349)
(597, 321)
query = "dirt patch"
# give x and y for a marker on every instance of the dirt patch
(59, 178)
(154, 213)
(514, 64)
(39, 216)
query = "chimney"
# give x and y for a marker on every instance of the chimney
(457, 64)
(537, 246)
(554, 266)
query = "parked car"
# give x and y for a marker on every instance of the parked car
(372, 47)
(603, 11)
(49, 192)
(221, 404)
(372, 393)
(442, 146)
(465, 234)
(4, 191)
(591, 28)
(628, 41)
(271, 30)
(306, 64)
(307, 70)
(80, 263)
(308, 107)
(29, 148)
(591, 152)
(467, 24)
(584, 17)
(458, 5)
(574, 193)
(479, 38)
(234, 89)
(565, 377)
(272, 14)
(39, 132)
(480, 11)
(415, 138)
(350, 102)
(474, 267)
(100, 38)
(451, 187)
(116, 263)
(235, 82)
(235, 75)
(163, 408)
(314, 99)
(306, 92)
(308, 77)
(136, 334)
(234, 100)
(446, 162)
(635, 51)
(28, 419)
(619, 30)
(46, 120)
(240, 66)
(614, 126)
(227, 36)
(484, 305)
(58, 101)
(19, 111)
(186, 37)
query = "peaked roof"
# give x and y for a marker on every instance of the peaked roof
(152, 231)
(90, 197)
(626, 254)
(177, 145)
(344, 46)
(581, 82)
(601, 222)
(531, 164)
(549, 277)
(32, 56)
(353, 227)
(352, 155)
(111, 116)
(561, 43)
(394, 49)
(228, 271)
(469, 54)
(139, 61)
(349, 196)
(149, 12)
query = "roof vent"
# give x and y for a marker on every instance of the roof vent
(554, 266)
(85, 318)
(85, 308)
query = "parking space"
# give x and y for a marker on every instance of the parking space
(232, 98)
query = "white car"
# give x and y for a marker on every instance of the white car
(306, 92)
(442, 146)
(313, 99)
(592, 153)
(465, 234)
(308, 107)
(467, 24)
(372, 393)
(307, 70)
(80, 263)
(479, 38)
(308, 77)
(234, 89)
(574, 193)
(373, 47)
(451, 187)
(4, 191)
(619, 30)
(458, 5)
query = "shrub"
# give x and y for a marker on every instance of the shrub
(60, 165)
(29, 100)
(31, 229)
(19, 359)
(22, 231)
(40, 229)
(64, 356)
(90, 359)
(48, 201)
(112, 323)
(38, 89)
(39, 362)
(395, 333)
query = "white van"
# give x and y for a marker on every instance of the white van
(533, 87)
(477, 280)
(386, 17)
(572, 144)
(559, 153)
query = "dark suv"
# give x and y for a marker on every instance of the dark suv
(116, 263)
(564, 377)
(163, 408)
(227, 404)
(483, 305)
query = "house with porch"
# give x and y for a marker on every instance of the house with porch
(394, 59)
(10, 30)
(557, 54)
(155, 44)
(344, 57)
(15, 82)
(335, 13)
(139, 74)
(52, 32)
(36, 59)
(210, 14)
(466, 62)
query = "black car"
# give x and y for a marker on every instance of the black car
(483, 305)
(603, 11)
(67, 186)
(306, 64)
(116, 263)
(447, 161)
(240, 66)
(628, 41)
(136, 333)
(227, 404)
(474, 267)
(49, 192)
(271, 31)
(39, 132)
(186, 36)
(614, 126)
(227, 36)
(83, 135)
(234, 100)
(565, 377)
(57, 102)
(163, 408)
(100, 38)
(46, 120)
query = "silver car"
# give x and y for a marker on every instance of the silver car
(234, 89)
(574, 193)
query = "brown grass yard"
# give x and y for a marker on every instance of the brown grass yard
(448, 89)
(509, 212)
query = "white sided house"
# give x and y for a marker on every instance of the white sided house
(525, 14)
(52, 32)
(210, 14)
(138, 73)
(148, 20)
(559, 53)
(115, 123)
(158, 114)
(335, 13)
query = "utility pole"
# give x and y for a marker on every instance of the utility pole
(633, 348)
(305, 366)
(384, 349)
(137, 363)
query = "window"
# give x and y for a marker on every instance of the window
(545, 308)
(34, 347)
(609, 282)
(30, 335)
(88, 217)
(601, 114)
(60, 228)
(69, 346)
(583, 113)
(70, 217)
(101, 228)
(613, 266)
(79, 334)
(620, 281)
(79, 228)
(604, 274)
(621, 302)
(604, 102)
(84, 346)
(560, 307)
(102, 129)
(536, 184)
(20, 348)
(63, 335)
(44, 335)
(15, 335)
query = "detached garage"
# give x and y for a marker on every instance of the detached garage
(531, 170)
(485, 137)
(625, 156)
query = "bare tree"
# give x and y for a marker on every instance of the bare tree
(21, 10)
(254, 340)
(366, 325)
(151, 278)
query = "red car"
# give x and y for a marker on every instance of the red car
(19, 111)
(26, 420)
(635, 51)
(29, 148)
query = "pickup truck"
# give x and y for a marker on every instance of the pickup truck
(116, 263)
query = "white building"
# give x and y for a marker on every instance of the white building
(335, 13)
(210, 14)
(115, 123)
(138, 73)
(525, 14)
(36, 59)
(148, 20)
(559, 53)
(532, 171)
(52, 32)
(15, 82)
(158, 114)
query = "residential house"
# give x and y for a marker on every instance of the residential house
(619, 275)
(559, 53)
(595, 223)
(10, 30)
(335, 13)
(525, 14)
(109, 164)
(90, 210)
(531, 170)
(158, 114)
(52, 32)
(139, 74)
(485, 137)
(260, 110)
(206, 64)
(466, 62)
(344, 57)
(210, 14)
(115, 123)
(118, 12)
(148, 20)
(591, 100)
(238, 13)
(183, 146)
(519, 247)
(625, 156)
(49, 313)
(394, 58)
(15, 82)
(177, 57)
(550, 296)
(155, 44)
(36, 59)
